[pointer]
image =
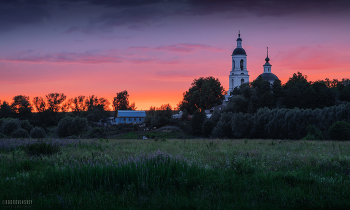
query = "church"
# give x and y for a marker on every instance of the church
(239, 73)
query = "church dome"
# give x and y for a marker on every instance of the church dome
(239, 39)
(239, 51)
(268, 77)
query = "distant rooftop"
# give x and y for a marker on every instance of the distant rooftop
(131, 113)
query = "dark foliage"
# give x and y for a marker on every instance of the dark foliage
(340, 131)
(98, 132)
(203, 94)
(121, 101)
(313, 133)
(69, 126)
(21, 107)
(5, 110)
(20, 133)
(37, 133)
(9, 125)
(26, 125)
(160, 116)
(197, 121)
(282, 123)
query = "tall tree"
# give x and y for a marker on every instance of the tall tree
(21, 106)
(204, 93)
(5, 110)
(277, 90)
(90, 102)
(121, 101)
(54, 101)
(78, 104)
(39, 104)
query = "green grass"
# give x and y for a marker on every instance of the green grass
(153, 135)
(181, 174)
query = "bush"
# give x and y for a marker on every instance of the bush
(1, 121)
(69, 126)
(208, 127)
(26, 125)
(37, 133)
(20, 133)
(98, 132)
(313, 133)
(9, 125)
(340, 131)
(42, 148)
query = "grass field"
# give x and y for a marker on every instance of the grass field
(175, 174)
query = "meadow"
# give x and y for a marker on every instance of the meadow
(175, 174)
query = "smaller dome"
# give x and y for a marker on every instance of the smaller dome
(239, 51)
(267, 59)
(239, 39)
(268, 77)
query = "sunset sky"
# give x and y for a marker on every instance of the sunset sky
(155, 48)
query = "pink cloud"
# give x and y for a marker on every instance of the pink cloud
(64, 57)
(180, 48)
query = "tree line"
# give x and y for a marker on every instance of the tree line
(297, 109)
(54, 107)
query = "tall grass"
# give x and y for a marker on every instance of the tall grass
(181, 174)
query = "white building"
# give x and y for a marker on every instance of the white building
(239, 72)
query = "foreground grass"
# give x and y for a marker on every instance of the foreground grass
(179, 174)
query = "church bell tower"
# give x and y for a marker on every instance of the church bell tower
(239, 72)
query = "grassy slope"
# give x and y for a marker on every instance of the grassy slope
(206, 174)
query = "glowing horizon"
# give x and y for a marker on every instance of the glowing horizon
(155, 49)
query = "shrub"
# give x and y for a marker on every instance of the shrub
(69, 126)
(340, 131)
(98, 132)
(20, 133)
(26, 125)
(208, 127)
(197, 121)
(37, 133)
(1, 121)
(9, 125)
(42, 148)
(313, 133)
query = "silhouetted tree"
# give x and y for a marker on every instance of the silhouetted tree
(78, 104)
(54, 101)
(203, 94)
(21, 107)
(277, 92)
(39, 104)
(121, 102)
(159, 116)
(197, 121)
(5, 110)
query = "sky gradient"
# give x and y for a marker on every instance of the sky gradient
(155, 48)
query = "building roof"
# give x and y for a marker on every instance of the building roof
(268, 77)
(239, 51)
(131, 113)
(239, 39)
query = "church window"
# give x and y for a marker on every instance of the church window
(233, 84)
(242, 81)
(242, 64)
(233, 64)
